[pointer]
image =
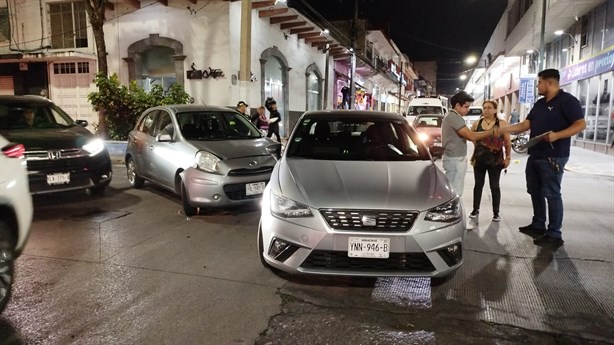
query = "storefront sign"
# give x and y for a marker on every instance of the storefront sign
(584, 69)
(526, 93)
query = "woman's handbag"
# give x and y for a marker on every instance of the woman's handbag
(485, 158)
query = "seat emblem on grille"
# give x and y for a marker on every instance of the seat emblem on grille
(53, 154)
(253, 163)
(368, 220)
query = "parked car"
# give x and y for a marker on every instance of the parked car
(15, 212)
(429, 131)
(61, 154)
(474, 114)
(357, 193)
(211, 156)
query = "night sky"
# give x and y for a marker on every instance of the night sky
(444, 30)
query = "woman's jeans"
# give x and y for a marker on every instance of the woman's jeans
(456, 169)
(544, 176)
(494, 174)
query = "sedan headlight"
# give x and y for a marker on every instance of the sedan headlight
(448, 212)
(286, 208)
(208, 162)
(94, 146)
(423, 136)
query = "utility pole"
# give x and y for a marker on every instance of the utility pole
(541, 37)
(353, 46)
(326, 71)
(400, 84)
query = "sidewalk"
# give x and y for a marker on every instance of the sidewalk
(590, 162)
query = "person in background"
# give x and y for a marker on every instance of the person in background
(455, 133)
(557, 116)
(495, 145)
(514, 117)
(242, 108)
(274, 118)
(263, 122)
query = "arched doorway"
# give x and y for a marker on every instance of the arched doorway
(156, 60)
(314, 87)
(274, 78)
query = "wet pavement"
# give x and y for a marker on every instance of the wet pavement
(129, 268)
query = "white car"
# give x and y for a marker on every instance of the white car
(474, 114)
(357, 193)
(15, 212)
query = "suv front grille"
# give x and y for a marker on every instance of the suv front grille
(369, 220)
(397, 262)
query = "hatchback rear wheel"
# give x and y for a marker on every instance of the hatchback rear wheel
(7, 256)
(133, 178)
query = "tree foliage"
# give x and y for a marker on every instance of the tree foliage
(124, 104)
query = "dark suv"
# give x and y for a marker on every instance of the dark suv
(61, 154)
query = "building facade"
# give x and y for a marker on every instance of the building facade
(219, 54)
(578, 40)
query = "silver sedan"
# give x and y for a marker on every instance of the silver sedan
(211, 156)
(357, 193)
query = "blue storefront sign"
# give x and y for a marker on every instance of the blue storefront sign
(603, 62)
(526, 92)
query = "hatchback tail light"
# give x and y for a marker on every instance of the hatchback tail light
(14, 150)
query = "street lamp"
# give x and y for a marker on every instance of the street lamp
(561, 32)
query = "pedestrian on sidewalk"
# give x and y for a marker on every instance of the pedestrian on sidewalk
(454, 135)
(488, 156)
(274, 118)
(556, 117)
(263, 121)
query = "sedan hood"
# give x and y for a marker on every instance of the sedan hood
(50, 139)
(415, 185)
(229, 149)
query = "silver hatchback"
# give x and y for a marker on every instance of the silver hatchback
(357, 193)
(211, 156)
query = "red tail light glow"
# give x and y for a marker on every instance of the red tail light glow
(14, 150)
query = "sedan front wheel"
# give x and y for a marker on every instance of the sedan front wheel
(188, 209)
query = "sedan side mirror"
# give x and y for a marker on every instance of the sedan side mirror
(82, 123)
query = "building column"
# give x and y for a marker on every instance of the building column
(245, 50)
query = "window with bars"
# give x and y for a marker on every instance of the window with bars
(71, 68)
(68, 25)
(5, 28)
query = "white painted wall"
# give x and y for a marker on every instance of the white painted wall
(211, 38)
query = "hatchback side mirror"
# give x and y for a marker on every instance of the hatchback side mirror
(164, 138)
(275, 150)
(82, 123)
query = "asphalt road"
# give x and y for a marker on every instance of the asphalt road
(129, 268)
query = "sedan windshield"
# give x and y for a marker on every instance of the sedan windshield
(358, 140)
(216, 126)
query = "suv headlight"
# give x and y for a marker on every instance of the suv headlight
(448, 212)
(94, 146)
(208, 162)
(286, 208)
(423, 136)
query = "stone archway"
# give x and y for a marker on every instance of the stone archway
(139, 51)
(270, 60)
(313, 86)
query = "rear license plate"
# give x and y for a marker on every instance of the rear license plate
(254, 188)
(437, 144)
(366, 247)
(60, 178)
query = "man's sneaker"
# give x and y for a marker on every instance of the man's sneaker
(496, 218)
(474, 213)
(532, 231)
(548, 240)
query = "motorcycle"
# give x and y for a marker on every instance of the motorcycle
(519, 142)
